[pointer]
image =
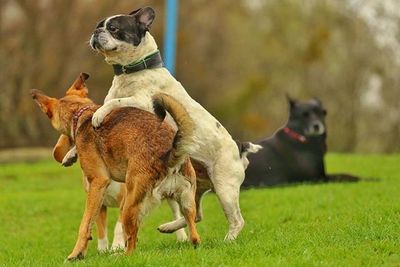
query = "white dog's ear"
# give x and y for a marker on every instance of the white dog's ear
(144, 16)
(135, 11)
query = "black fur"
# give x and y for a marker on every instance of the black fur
(131, 28)
(286, 159)
(159, 110)
(243, 147)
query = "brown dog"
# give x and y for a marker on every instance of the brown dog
(132, 146)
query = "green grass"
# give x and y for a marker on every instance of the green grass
(306, 225)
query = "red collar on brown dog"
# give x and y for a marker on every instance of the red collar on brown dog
(75, 119)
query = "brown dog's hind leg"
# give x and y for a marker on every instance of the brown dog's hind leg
(97, 188)
(101, 223)
(187, 202)
(188, 207)
(137, 187)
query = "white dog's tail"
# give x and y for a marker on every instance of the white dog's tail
(184, 136)
(246, 148)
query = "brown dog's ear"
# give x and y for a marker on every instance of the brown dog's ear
(45, 103)
(79, 83)
(79, 87)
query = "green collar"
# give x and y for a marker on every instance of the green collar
(151, 61)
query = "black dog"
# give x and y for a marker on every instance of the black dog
(294, 153)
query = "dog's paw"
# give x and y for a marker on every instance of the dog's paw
(181, 235)
(230, 237)
(118, 243)
(166, 228)
(98, 117)
(102, 245)
(73, 257)
(118, 247)
(70, 158)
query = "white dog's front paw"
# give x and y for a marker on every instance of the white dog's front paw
(70, 158)
(98, 117)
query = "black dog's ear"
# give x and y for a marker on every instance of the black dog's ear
(291, 101)
(316, 99)
(144, 16)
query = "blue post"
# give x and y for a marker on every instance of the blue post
(170, 35)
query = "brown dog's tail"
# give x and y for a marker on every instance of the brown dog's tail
(183, 141)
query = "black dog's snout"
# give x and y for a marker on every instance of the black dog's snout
(316, 127)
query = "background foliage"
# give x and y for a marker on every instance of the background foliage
(237, 58)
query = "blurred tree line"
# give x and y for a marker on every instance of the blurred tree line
(237, 58)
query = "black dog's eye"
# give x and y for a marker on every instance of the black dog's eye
(112, 28)
(306, 114)
(324, 112)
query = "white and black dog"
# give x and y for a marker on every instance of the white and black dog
(126, 43)
(295, 153)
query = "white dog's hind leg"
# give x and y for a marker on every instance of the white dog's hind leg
(175, 225)
(118, 241)
(181, 235)
(227, 178)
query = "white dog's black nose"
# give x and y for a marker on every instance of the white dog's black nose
(94, 41)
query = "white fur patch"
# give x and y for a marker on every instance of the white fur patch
(118, 241)
(111, 195)
(254, 148)
(102, 244)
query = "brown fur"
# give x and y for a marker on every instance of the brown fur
(61, 148)
(130, 147)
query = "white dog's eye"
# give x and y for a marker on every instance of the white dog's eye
(112, 28)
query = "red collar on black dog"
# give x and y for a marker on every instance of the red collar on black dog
(295, 135)
(75, 119)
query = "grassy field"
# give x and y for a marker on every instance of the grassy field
(313, 225)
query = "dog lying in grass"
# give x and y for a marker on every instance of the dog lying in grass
(295, 153)
(133, 146)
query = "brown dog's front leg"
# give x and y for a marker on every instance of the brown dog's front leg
(94, 200)
(61, 148)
